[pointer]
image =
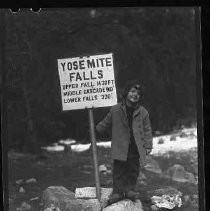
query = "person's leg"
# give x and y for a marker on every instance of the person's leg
(132, 175)
(118, 171)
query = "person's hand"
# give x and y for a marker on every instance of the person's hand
(148, 151)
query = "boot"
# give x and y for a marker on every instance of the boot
(132, 195)
(115, 197)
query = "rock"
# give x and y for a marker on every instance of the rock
(102, 168)
(143, 183)
(19, 182)
(93, 13)
(190, 178)
(34, 199)
(31, 180)
(82, 204)
(24, 207)
(52, 208)
(141, 179)
(141, 176)
(192, 135)
(22, 190)
(90, 192)
(157, 133)
(154, 208)
(183, 135)
(107, 172)
(56, 195)
(167, 198)
(167, 201)
(177, 173)
(65, 200)
(153, 166)
(161, 141)
(48, 209)
(193, 199)
(195, 196)
(194, 161)
(125, 205)
(173, 138)
(195, 168)
(186, 198)
(165, 191)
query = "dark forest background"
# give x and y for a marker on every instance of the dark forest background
(155, 45)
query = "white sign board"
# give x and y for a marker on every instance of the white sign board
(87, 82)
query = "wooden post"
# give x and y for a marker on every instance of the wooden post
(95, 158)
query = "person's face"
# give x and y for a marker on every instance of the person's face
(133, 95)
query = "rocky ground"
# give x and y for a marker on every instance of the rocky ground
(30, 175)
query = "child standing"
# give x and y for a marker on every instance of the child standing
(131, 141)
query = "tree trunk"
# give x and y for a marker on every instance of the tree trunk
(31, 146)
(24, 50)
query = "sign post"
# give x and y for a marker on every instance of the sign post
(95, 157)
(88, 82)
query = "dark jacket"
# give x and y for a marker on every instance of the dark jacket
(117, 120)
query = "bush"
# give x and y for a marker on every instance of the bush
(173, 138)
(161, 141)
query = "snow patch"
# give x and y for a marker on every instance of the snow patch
(80, 147)
(180, 144)
(104, 144)
(67, 142)
(55, 148)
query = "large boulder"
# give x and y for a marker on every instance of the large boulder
(90, 192)
(177, 173)
(76, 205)
(65, 200)
(166, 202)
(58, 196)
(125, 205)
(165, 198)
